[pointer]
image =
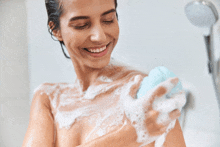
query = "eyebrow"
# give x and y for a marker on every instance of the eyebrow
(87, 17)
(109, 11)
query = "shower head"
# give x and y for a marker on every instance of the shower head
(201, 13)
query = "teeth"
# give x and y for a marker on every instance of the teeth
(97, 50)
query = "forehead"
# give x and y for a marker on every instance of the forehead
(87, 7)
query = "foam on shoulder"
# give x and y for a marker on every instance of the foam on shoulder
(72, 104)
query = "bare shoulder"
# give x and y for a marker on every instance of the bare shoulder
(41, 121)
(120, 71)
(46, 88)
(49, 90)
(41, 98)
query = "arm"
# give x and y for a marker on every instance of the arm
(175, 137)
(40, 131)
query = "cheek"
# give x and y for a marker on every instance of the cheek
(113, 30)
(115, 34)
(72, 39)
(116, 30)
(71, 43)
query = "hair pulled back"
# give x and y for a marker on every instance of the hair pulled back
(54, 11)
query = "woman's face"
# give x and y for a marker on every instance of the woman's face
(89, 30)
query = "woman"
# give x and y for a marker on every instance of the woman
(99, 109)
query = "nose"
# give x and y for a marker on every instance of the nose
(98, 34)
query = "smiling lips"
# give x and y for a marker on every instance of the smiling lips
(97, 52)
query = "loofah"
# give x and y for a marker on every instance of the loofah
(155, 77)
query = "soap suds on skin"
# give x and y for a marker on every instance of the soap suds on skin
(166, 105)
(135, 111)
(109, 112)
(105, 79)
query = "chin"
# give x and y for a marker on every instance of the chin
(99, 64)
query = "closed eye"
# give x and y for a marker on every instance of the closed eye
(87, 25)
(81, 27)
(108, 22)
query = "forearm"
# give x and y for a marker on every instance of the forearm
(175, 137)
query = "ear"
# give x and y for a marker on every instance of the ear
(57, 32)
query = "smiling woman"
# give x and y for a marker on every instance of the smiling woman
(55, 10)
(84, 35)
(100, 109)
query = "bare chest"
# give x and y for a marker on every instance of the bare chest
(80, 120)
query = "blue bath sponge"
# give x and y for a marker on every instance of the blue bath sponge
(155, 77)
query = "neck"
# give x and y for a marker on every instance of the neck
(86, 75)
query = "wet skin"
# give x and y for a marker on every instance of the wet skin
(43, 114)
(92, 24)
(98, 28)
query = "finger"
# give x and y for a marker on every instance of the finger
(163, 119)
(152, 115)
(170, 83)
(155, 128)
(166, 119)
(134, 88)
(180, 99)
(163, 88)
(159, 130)
(131, 88)
(170, 124)
(164, 105)
(174, 114)
(163, 129)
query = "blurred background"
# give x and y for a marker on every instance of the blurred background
(152, 33)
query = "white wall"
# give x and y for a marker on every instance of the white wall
(46, 60)
(14, 79)
(152, 33)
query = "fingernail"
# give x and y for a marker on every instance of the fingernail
(174, 81)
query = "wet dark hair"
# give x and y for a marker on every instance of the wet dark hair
(54, 11)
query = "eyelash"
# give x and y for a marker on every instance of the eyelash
(81, 27)
(87, 24)
(108, 22)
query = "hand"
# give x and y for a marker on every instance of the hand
(153, 113)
